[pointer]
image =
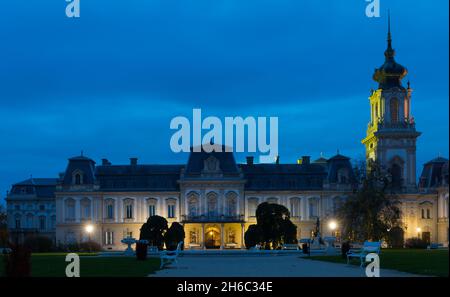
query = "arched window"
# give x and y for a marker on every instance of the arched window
(128, 208)
(231, 203)
(313, 208)
(85, 209)
(70, 209)
(211, 202)
(342, 175)
(193, 204)
(171, 208)
(18, 221)
(394, 110)
(151, 206)
(109, 211)
(396, 174)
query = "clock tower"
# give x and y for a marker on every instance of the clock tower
(391, 133)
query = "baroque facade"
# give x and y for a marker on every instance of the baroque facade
(215, 198)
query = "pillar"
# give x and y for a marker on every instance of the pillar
(242, 236)
(221, 236)
(203, 236)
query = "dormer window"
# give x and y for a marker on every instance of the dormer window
(78, 178)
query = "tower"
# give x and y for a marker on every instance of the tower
(391, 133)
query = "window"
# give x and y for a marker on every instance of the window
(231, 204)
(151, 206)
(85, 209)
(394, 110)
(193, 204)
(42, 223)
(313, 205)
(53, 222)
(423, 213)
(110, 211)
(151, 210)
(17, 222)
(212, 204)
(78, 179)
(171, 210)
(193, 237)
(109, 238)
(128, 208)
(252, 205)
(129, 211)
(428, 213)
(294, 207)
(70, 209)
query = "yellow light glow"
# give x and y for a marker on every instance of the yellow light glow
(89, 228)
(332, 225)
(419, 229)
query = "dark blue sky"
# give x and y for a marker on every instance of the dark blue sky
(110, 82)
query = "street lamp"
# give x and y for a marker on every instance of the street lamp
(332, 225)
(418, 229)
(89, 229)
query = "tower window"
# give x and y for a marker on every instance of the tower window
(394, 110)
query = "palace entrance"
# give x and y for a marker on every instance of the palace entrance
(212, 238)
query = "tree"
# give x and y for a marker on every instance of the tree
(372, 210)
(3, 227)
(153, 231)
(271, 218)
(253, 236)
(289, 232)
(174, 235)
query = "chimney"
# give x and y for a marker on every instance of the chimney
(133, 161)
(105, 162)
(249, 160)
(305, 160)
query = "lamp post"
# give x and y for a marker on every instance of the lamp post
(418, 229)
(89, 229)
(332, 225)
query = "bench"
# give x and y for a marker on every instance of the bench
(170, 256)
(367, 248)
(255, 248)
(434, 246)
(290, 246)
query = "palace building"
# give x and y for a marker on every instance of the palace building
(215, 198)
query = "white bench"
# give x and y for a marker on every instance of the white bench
(288, 246)
(367, 248)
(170, 256)
(255, 248)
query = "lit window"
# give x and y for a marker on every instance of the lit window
(109, 238)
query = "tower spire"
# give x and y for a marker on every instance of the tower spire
(389, 53)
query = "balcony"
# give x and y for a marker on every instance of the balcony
(212, 219)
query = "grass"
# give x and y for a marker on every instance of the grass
(423, 262)
(54, 265)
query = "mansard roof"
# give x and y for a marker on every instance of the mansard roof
(41, 187)
(434, 173)
(138, 177)
(196, 162)
(283, 176)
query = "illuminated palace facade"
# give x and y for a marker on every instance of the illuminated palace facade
(215, 198)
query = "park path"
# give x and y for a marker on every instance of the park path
(263, 266)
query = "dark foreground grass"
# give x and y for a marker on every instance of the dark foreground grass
(424, 262)
(54, 265)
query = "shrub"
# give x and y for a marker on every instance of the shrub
(253, 236)
(416, 243)
(345, 248)
(141, 251)
(173, 236)
(89, 246)
(153, 231)
(18, 262)
(39, 244)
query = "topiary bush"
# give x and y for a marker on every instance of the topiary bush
(173, 236)
(253, 236)
(153, 231)
(416, 243)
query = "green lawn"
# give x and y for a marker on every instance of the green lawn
(424, 262)
(54, 265)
